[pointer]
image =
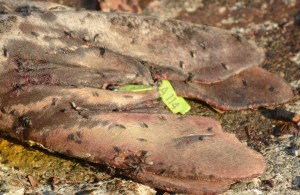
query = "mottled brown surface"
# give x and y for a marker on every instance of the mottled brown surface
(70, 48)
(252, 88)
(184, 150)
(208, 54)
(281, 44)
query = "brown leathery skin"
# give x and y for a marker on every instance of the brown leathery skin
(55, 64)
(252, 88)
(129, 141)
(41, 50)
(209, 53)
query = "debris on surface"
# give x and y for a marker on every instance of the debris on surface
(25, 123)
(280, 114)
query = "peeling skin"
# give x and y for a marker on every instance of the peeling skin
(165, 42)
(252, 88)
(58, 64)
(191, 162)
(49, 49)
(87, 98)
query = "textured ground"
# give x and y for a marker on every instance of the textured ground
(275, 25)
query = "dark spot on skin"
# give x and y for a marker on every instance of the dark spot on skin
(69, 152)
(78, 141)
(162, 171)
(102, 51)
(13, 112)
(78, 133)
(85, 38)
(54, 101)
(225, 66)
(24, 121)
(142, 140)
(85, 116)
(161, 118)
(104, 123)
(144, 125)
(63, 110)
(18, 86)
(5, 52)
(143, 62)
(96, 37)
(34, 33)
(245, 83)
(237, 37)
(182, 65)
(272, 89)
(95, 94)
(119, 126)
(73, 105)
(190, 77)
(130, 25)
(76, 137)
(209, 129)
(133, 40)
(144, 154)
(62, 50)
(181, 117)
(192, 53)
(48, 16)
(190, 139)
(71, 137)
(26, 9)
(117, 149)
(127, 96)
(203, 45)
(112, 87)
(69, 33)
(240, 94)
(205, 27)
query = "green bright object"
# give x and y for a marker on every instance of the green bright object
(135, 88)
(173, 102)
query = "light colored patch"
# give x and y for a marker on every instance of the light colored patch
(296, 58)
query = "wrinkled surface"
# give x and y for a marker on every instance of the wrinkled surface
(50, 90)
(129, 141)
(207, 53)
(252, 88)
(43, 47)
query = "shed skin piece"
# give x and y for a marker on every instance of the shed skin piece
(124, 140)
(210, 54)
(81, 99)
(252, 88)
(189, 149)
(68, 56)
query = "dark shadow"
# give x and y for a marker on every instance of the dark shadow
(90, 4)
(277, 114)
